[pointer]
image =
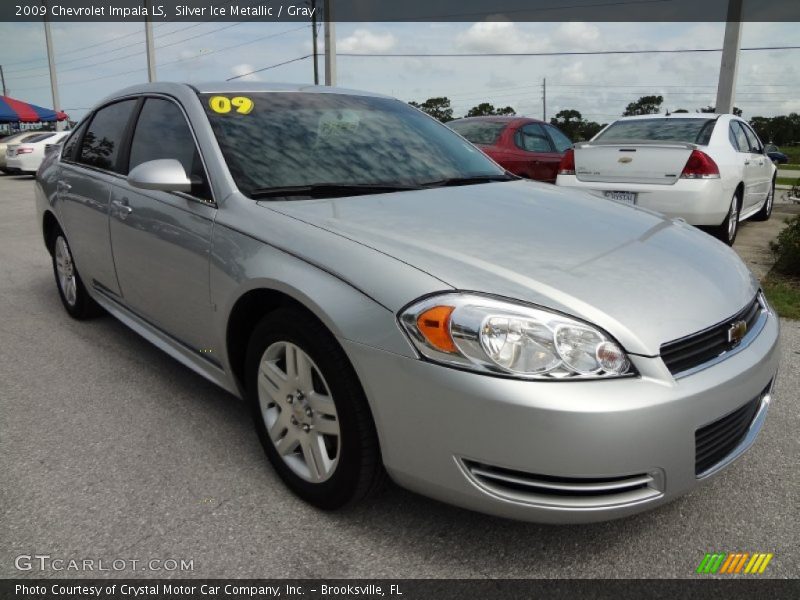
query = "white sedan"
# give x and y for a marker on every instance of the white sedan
(710, 170)
(27, 157)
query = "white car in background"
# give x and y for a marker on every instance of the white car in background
(710, 170)
(27, 157)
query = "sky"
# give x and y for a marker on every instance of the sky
(95, 59)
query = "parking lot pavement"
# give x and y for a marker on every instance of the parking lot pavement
(111, 450)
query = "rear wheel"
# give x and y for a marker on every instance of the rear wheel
(310, 411)
(727, 230)
(71, 290)
(766, 210)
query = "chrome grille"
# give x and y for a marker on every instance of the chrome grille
(703, 347)
(572, 492)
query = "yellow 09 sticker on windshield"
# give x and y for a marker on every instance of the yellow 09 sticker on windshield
(222, 105)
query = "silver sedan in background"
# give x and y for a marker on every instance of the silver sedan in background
(391, 301)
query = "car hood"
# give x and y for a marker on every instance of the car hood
(644, 278)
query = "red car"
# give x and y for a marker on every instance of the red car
(526, 147)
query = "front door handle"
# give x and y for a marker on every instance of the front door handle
(63, 186)
(123, 210)
(747, 162)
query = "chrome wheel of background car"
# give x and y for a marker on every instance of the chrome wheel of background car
(733, 219)
(299, 412)
(65, 269)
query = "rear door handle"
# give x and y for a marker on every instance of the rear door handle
(123, 210)
(63, 186)
(747, 162)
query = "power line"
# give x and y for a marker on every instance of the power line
(180, 60)
(566, 53)
(280, 64)
(130, 55)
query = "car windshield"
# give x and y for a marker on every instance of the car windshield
(275, 141)
(478, 132)
(692, 131)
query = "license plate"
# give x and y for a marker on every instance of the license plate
(623, 197)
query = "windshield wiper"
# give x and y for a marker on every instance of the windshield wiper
(328, 190)
(450, 181)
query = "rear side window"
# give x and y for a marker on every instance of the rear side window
(532, 138)
(742, 143)
(100, 146)
(478, 132)
(71, 145)
(691, 131)
(561, 142)
(752, 139)
(162, 132)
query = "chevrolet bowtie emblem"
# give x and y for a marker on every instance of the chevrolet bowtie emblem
(625, 159)
(736, 332)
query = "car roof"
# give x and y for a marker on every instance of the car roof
(673, 116)
(500, 119)
(230, 87)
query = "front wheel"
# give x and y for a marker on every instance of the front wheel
(766, 209)
(310, 411)
(727, 230)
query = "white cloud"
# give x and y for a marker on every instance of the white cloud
(364, 41)
(244, 68)
(575, 35)
(498, 36)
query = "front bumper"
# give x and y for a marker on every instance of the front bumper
(436, 424)
(698, 201)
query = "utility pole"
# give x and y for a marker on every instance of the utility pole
(544, 99)
(314, 39)
(330, 45)
(151, 50)
(48, 39)
(3, 79)
(730, 58)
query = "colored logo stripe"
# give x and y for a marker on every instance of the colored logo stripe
(733, 563)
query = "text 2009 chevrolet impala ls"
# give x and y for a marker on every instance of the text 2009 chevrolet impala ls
(391, 301)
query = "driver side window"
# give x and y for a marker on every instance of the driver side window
(162, 132)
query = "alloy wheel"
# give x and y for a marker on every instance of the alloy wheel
(733, 218)
(65, 268)
(299, 412)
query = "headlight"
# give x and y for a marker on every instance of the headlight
(488, 335)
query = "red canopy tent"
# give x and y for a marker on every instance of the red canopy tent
(17, 111)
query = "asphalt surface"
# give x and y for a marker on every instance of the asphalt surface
(109, 449)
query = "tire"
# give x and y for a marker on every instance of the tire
(323, 408)
(727, 230)
(766, 210)
(76, 300)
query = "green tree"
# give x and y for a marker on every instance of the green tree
(574, 126)
(485, 109)
(646, 105)
(439, 108)
(570, 122)
(712, 109)
(590, 129)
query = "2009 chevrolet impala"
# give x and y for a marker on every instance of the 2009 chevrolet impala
(391, 301)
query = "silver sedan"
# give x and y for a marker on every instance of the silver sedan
(392, 302)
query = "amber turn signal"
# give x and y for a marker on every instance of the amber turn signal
(434, 325)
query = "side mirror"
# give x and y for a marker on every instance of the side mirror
(165, 174)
